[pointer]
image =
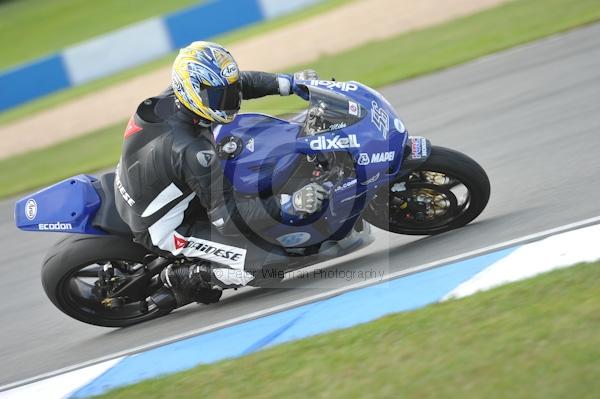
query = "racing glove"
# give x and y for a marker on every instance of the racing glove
(306, 201)
(288, 85)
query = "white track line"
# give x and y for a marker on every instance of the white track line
(313, 298)
(60, 386)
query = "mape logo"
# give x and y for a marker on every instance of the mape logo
(363, 159)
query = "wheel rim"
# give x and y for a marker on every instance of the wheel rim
(81, 292)
(426, 200)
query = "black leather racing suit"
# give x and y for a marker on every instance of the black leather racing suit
(171, 191)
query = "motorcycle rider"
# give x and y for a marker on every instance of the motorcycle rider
(170, 188)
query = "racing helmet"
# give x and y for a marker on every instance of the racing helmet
(206, 81)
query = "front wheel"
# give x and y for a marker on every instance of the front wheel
(73, 270)
(446, 192)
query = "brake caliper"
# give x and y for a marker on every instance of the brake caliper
(107, 283)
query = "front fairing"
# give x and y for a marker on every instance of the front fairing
(375, 136)
(371, 133)
(257, 152)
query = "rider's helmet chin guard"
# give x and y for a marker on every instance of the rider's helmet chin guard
(206, 81)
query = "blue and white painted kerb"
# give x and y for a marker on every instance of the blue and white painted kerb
(449, 280)
(134, 45)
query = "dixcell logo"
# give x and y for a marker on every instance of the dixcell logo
(343, 86)
(336, 142)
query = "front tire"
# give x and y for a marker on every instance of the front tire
(70, 270)
(429, 200)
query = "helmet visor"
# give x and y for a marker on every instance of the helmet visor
(225, 98)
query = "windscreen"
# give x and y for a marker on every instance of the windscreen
(329, 111)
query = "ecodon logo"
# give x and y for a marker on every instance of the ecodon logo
(336, 142)
(55, 226)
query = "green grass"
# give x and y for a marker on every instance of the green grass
(537, 338)
(429, 50)
(81, 155)
(72, 93)
(379, 63)
(32, 28)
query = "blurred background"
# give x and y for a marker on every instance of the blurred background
(73, 71)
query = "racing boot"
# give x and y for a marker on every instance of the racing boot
(191, 283)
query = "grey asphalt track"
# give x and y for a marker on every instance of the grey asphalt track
(530, 116)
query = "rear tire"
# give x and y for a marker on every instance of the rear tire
(391, 209)
(62, 285)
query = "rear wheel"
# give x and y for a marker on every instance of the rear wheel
(446, 192)
(78, 270)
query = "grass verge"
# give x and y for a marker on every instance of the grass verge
(416, 53)
(62, 96)
(41, 26)
(537, 338)
(376, 64)
(84, 154)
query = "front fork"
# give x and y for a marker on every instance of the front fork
(416, 152)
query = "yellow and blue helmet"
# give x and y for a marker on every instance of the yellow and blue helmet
(206, 81)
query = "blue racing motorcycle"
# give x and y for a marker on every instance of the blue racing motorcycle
(350, 140)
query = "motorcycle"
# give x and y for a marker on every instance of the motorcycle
(349, 139)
